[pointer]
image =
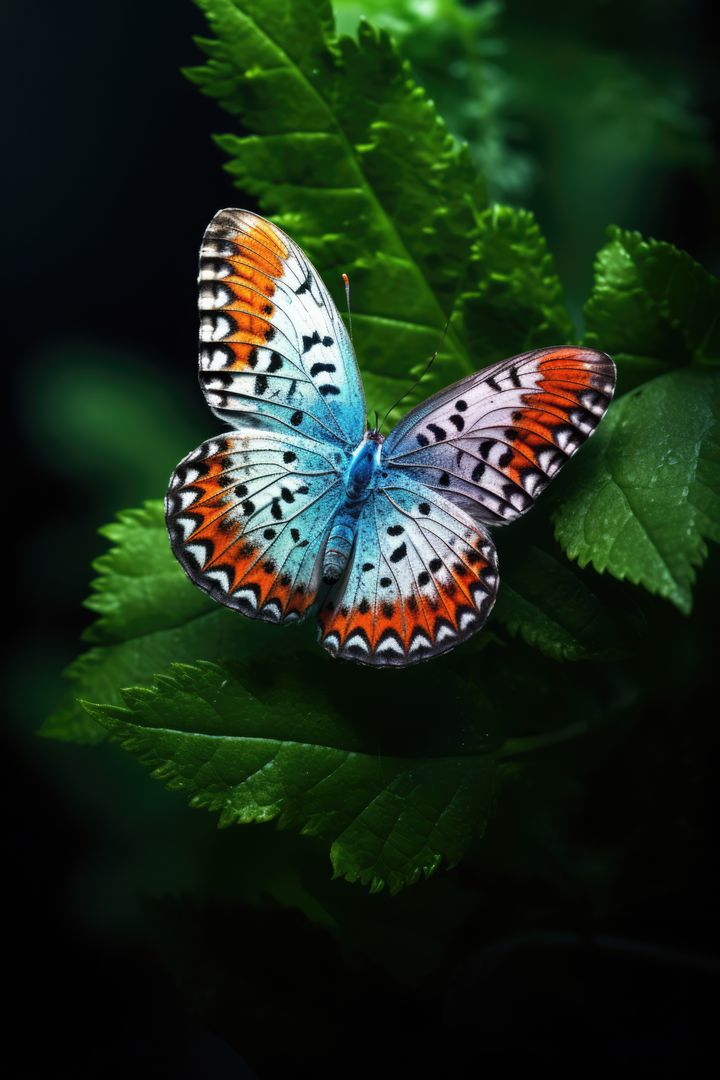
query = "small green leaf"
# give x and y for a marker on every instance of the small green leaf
(652, 306)
(388, 819)
(515, 301)
(547, 603)
(648, 494)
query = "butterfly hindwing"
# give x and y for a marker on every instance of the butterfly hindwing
(274, 351)
(422, 577)
(491, 442)
(248, 513)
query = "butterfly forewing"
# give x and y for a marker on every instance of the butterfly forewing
(421, 579)
(491, 442)
(274, 351)
(248, 513)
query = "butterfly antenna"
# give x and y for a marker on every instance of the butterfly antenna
(346, 283)
(419, 379)
(423, 373)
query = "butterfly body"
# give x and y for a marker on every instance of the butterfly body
(361, 476)
(299, 507)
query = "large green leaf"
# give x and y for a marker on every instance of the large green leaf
(250, 756)
(652, 306)
(648, 494)
(348, 154)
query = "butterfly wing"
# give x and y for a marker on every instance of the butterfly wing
(274, 351)
(422, 577)
(248, 513)
(491, 442)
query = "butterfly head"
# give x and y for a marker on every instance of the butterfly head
(375, 435)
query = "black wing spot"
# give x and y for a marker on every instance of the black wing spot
(317, 368)
(286, 495)
(269, 567)
(423, 577)
(305, 287)
(457, 421)
(289, 457)
(511, 434)
(275, 362)
(248, 507)
(492, 383)
(327, 341)
(296, 418)
(477, 471)
(437, 431)
(367, 566)
(270, 333)
(435, 565)
(505, 458)
(424, 508)
(461, 405)
(385, 582)
(514, 377)
(309, 341)
(295, 533)
(422, 440)
(486, 446)
(444, 480)
(399, 553)
(388, 609)
(395, 530)
(241, 491)
(269, 534)
(275, 510)
(261, 384)
(285, 580)
(328, 388)
(363, 606)
(412, 602)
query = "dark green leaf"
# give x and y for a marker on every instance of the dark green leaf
(551, 607)
(388, 819)
(648, 494)
(652, 306)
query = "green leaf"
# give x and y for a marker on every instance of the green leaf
(389, 819)
(652, 306)
(150, 616)
(544, 601)
(517, 302)
(648, 494)
(350, 156)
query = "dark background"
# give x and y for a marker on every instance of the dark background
(116, 958)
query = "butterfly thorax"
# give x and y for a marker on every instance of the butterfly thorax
(359, 483)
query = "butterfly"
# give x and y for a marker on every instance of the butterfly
(302, 507)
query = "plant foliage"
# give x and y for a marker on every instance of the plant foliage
(398, 773)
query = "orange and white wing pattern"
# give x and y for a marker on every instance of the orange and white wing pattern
(274, 351)
(493, 441)
(423, 578)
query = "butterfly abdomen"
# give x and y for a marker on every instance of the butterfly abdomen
(340, 542)
(338, 547)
